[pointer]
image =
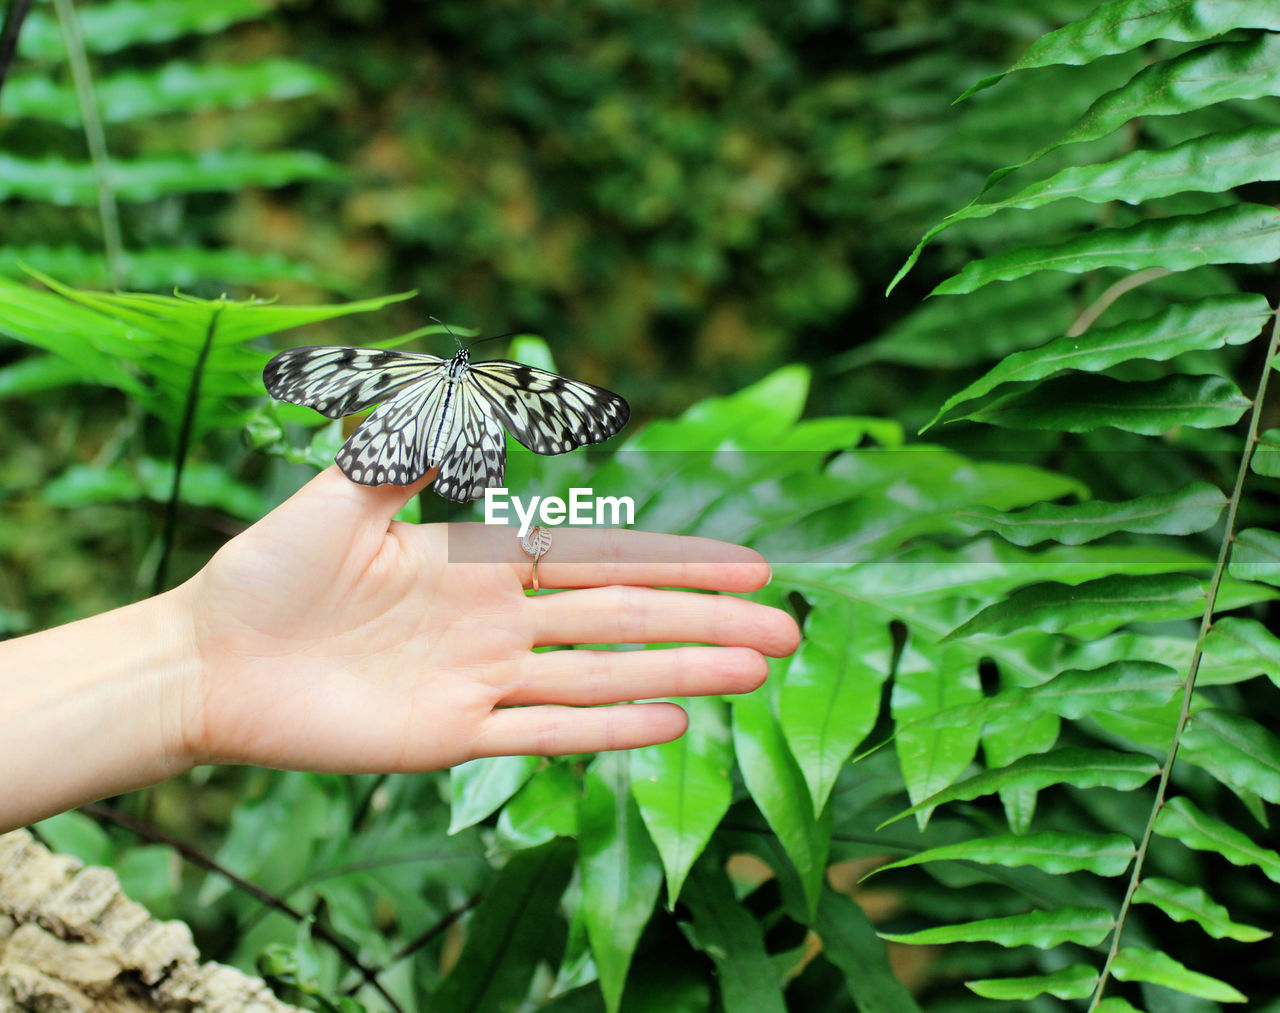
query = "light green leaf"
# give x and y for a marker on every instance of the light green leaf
(778, 788)
(621, 872)
(830, 698)
(1085, 926)
(1255, 555)
(1121, 25)
(1261, 643)
(1183, 821)
(1050, 850)
(683, 789)
(479, 787)
(1190, 903)
(1082, 768)
(38, 373)
(1117, 1005)
(1081, 403)
(1134, 964)
(1266, 455)
(111, 26)
(545, 808)
(1210, 323)
(1074, 982)
(1193, 508)
(1237, 234)
(1238, 751)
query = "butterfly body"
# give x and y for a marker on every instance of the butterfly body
(442, 413)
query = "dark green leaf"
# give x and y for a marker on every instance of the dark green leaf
(1190, 903)
(1255, 555)
(1183, 821)
(1238, 751)
(849, 941)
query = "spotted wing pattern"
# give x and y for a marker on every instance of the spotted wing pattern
(549, 413)
(477, 460)
(391, 444)
(339, 381)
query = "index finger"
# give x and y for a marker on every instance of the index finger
(598, 557)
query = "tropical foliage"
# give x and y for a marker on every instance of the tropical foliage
(1035, 700)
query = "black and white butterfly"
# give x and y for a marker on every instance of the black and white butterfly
(446, 413)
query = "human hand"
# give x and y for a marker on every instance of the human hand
(330, 637)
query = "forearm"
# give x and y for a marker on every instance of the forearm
(93, 708)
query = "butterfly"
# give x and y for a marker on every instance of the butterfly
(445, 413)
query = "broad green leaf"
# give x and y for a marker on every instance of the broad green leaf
(928, 680)
(38, 373)
(74, 183)
(1081, 768)
(1117, 1005)
(831, 695)
(1261, 643)
(1052, 851)
(1183, 821)
(1118, 26)
(1237, 234)
(1074, 982)
(173, 87)
(111, 26)
(1238, 751)
(74, 833)
(1091, 608)
(850, 942)
(1210, 323)
(778, 788)
(1190, 509)
(480, 787)
(1085, 926)
(621, 872)
(682, 788)
(1215, 163)
(1255, 555)
(545, 808)
(509, 933)
(734, 940)
(1190, 903)
(204, 484)
(1134, 964)
(1266, 455)
(1081, 403)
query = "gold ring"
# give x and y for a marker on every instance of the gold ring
(536, 543)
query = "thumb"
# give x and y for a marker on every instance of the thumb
(376, 504)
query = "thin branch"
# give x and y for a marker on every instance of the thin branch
(96, 139)
(197, 857)
(423, 938)
(185, 431)
(1100, 305)
(13, 20)
(1189, 685)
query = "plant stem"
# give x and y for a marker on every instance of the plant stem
(1189, 685)
(185, 431)
(13, 19)
(96, 139)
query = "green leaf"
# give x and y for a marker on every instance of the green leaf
(620, 868)
(1052, 851)
(1262, 645)
(1134, 964)
(1190, 903)
(1255, 555)
(74, 833)
(545, 808)
(1081, 768)
(1181, 820)
(1193, 508)
(1208, 324)
(1090, 608)
(1239, 752)
(509, 933)
(778, 788)
(1085, 926)
(1121, 25)
(850, 942)
(682, 788)
(38, 373)
(1266, 455)
(1117, 1005)
(111, 26)
(1237, 234)
(479, 787)
(830, 698)
(74, 183)
(732, 937)
(1074, 982)
(1081, 403)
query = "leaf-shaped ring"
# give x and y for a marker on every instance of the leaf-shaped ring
(536, 542)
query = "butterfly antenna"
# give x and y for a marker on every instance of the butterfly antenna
(496, 337)
(447, 328)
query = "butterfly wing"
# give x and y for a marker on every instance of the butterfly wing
(391, 445)
(338, 381)
(548, 413)
(477, 459)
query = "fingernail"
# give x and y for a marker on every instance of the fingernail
(770, 580)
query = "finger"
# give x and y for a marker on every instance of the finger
(376, 503)
(596, 557)
(642, 615)
(555, 731)
(586, 678)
